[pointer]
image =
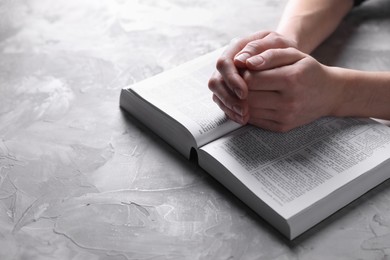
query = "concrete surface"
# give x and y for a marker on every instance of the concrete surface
(79, 179)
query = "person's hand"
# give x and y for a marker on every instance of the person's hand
(229, 89)
(289, 89)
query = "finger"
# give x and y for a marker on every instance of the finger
(230, 113)
(270, 41)
(231, 76)
(273, 58)
(225, 96)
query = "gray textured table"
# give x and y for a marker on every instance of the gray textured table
(80, 179)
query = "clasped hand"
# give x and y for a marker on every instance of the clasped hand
(264, 80)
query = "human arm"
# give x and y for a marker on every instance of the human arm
(310, 22)
(364, 93)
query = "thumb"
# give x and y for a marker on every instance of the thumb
(274, 58)
(251, 49)
(261, 44)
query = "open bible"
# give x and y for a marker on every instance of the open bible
(293, 180)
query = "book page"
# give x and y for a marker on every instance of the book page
(291, 171)
(183, 94)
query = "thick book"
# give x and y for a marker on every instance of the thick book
(293, 180)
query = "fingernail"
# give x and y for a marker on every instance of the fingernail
(255, 60)
(237, 109)
(242, 57)
(238, 92)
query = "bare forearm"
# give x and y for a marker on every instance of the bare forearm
(309, 22)
(364, 94)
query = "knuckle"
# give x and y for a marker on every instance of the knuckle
(292, 79)
(276, 40)
(270, 54)
(215, 99)
(245, 111)
(280, 41)
(245, 119)
(230, 114)
(223, 62)
(213, 83)
(219, 102)
(229, 81)
(252, 47)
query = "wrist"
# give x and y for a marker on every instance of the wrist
(361, 93)
(337, 89)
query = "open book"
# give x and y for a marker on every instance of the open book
(293, 180)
